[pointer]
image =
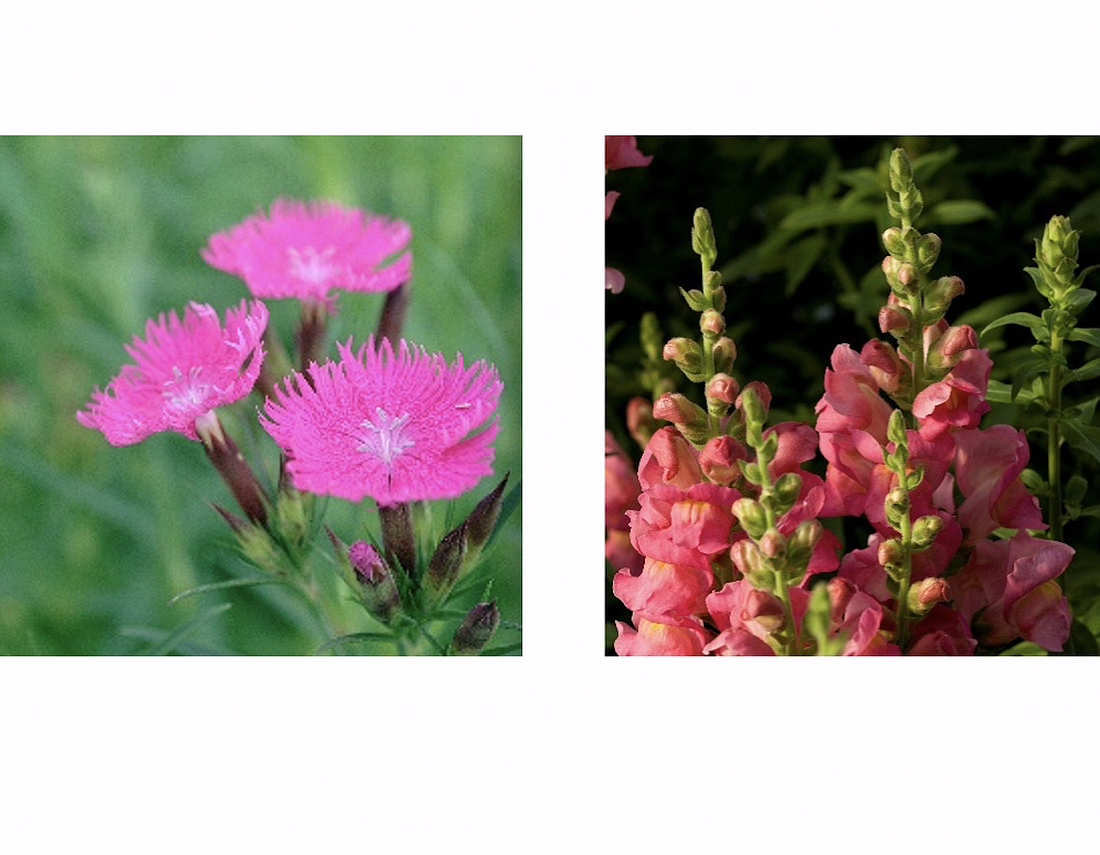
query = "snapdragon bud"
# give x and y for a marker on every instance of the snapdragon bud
(901, 171)
(928, 250)
(722, 387)
(720, 459)
(940, 294)
(1056, 255)
(712, 322)
(787, 488)
(773, 544)
(640, 422)
(702, 236)
(892, 240)
(750, 513)
(725, 353)
(923, 595)
(925, 530)
(686, 353)
(891, 556)
(894, 319)
(689, 417)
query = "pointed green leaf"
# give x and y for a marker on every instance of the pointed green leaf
(801, 258)
(174, 638)
(959, 211)
(1084, 438)
(1024, 319)
(828, 213)
(231, 583)
(1090, 335)
(1087, 371)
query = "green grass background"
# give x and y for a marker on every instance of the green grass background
(99, 234)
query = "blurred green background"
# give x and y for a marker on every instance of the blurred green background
(99, 234)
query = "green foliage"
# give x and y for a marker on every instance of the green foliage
(99, 234)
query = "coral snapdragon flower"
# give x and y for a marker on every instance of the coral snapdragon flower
(398, 427)
(182, 370)
(304, 251)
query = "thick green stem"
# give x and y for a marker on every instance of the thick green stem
(906, 532)
(1054, 438)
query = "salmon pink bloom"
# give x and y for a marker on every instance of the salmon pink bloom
(398, 427)
(305, 251)
(988, 464)
(182, 370)
(661, 635)
(621, 152)
(661, 588)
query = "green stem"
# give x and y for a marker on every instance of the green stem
(1054, 438)
(907, 568)
(782, 589)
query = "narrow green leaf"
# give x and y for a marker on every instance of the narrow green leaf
(1087, 371)
(502, 651)
(1024, 319)
(1001, 393)
(801, 258)
(1090, 335)
(928, 164)
(828, 213)
(507, 507)
(231, 583)
(959, 211)
(1084, 438)
(170, 643)
(351, 638)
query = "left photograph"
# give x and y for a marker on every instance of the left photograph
(260, 396)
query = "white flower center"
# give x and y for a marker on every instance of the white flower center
(385, 437)
(185, 394)
(310, 266)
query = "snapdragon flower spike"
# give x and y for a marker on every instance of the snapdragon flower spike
(305, 251)
(182, 370)
(396, 426)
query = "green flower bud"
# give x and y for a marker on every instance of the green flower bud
(897, 507)
(901, 172)
(446, 564)
(476, 629)
(773, 544)
(891, 555)
(892, 240)
(800, 545)
(753, 408)
(925, 530)
(928, 250)
(691, 419)
(941, 293)
(702, 237)
(895, 428)
(686, 353)
(923, 595)
(787, 489)
(695, 299)
(725, 354)
(750, 513)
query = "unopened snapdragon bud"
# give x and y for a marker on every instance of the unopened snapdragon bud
(720, 459)
(702, 236)
(923, 595)
(787, 488)
(712, 322)
(892, 240)
(476, 629)
(640, 422)
(901, 172)
(925, 530)
(686, 353)
(723, 387)
(891, 555)
(725, 353)
(907, 278)
(750, 514)
(895, 319)
(928, 250)
(689, 417)
(940, 294)
(773, 544)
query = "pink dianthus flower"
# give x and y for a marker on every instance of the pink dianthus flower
(182, 370)
(304, 251)
(398, 427)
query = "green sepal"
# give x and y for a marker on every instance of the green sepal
(1035, 483)
(696, 300)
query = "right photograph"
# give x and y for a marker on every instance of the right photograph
(850, 396)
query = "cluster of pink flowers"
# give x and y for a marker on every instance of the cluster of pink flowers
(396, 426)
(731, 558)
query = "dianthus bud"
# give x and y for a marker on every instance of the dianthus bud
(446, 563)
(483, 518)
(720, 458)
(750, 514)
(712, 322)
(725, 353)
(377, 587)
(476, 629)
(925, 594)
(925, 530)
(723, 387)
